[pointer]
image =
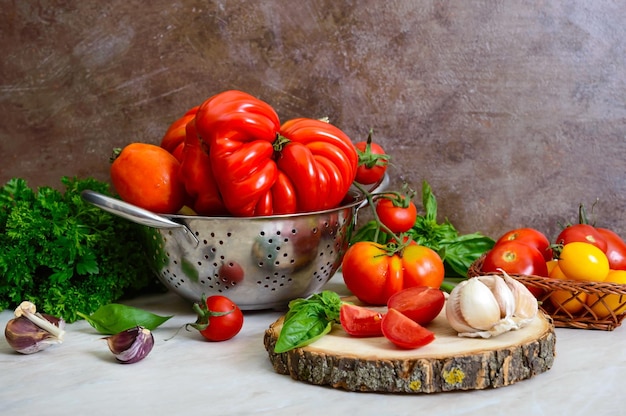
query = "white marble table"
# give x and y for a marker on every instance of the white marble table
(186, 375)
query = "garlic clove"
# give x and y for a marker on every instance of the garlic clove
(131, 345)
(453, 310)
(526, 305)
(502, 293)
(478, 305)
(26, 337)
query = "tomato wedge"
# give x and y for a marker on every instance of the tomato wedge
(403, 332)
(420, 303)
(359, 321)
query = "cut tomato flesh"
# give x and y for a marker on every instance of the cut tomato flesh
(404, 332)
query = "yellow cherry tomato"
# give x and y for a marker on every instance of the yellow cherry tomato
(609, 303)
(583, 261)
(564, 300)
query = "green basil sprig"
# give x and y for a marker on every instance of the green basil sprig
(308, 320)
(114, 318)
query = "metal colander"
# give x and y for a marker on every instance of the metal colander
(257, 262)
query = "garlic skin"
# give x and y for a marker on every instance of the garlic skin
(30, 331)
(487, 306)
(131, 345)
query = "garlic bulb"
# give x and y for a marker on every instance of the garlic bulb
(487, 306)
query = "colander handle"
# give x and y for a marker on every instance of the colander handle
(134, 213)
(128, 211)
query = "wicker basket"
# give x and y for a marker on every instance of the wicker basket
(586, 318)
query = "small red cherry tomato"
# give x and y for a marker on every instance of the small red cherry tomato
(397, 214)
(219, 318)
(372, 162)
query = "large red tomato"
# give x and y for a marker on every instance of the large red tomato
(529, 236)
(516, 258)
(373, 273)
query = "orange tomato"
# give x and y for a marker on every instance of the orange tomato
(147, 175)
(609, 303)
(563, 299)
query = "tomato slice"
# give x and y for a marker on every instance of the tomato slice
(359, 321)
(404, 332)
(420, 303)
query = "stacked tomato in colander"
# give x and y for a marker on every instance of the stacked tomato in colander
(232, 156)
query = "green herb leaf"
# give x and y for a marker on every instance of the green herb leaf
(115, 318)
(308, 320)
(64, 254)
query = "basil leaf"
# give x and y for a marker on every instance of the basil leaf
(308, 320)
(114, 318)
(460, 253)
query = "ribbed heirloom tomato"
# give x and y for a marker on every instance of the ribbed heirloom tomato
(373, 273)
(262, 167)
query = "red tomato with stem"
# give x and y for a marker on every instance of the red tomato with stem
(374, 272)
(530, 236)
(396, 213)
(404, 332)
(359, 321)
(583, 233)
(372, 162)
(219, 318)
(515, 258)
(148, 176)
(420, 303)
(615, 249)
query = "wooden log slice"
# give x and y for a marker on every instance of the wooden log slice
(448, 363)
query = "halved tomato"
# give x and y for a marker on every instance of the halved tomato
(420, 303)
(359, 321)
(404, 332)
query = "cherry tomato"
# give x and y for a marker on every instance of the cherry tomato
(405, 332)
(219, 318)
(515, 257)
(583, 261)
(147, 175)
(584, 233)
(373, 274)
(372, 163)
(420, 303)
(565, 300)
(359, 321)
(230, 273)
(615, 249)
(396, 217)
(531, 237)
(612, 303)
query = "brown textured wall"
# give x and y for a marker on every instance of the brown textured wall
(514, 111)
